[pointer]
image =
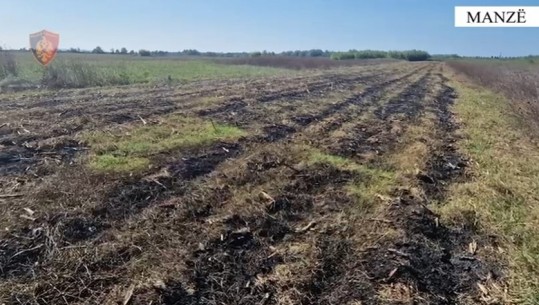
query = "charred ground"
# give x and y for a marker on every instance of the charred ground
(306, 206)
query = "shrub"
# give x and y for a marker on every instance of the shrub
(416, 55)
(98, 50)
(316, 53)
(411, 55)
(370, 54)
(396, 55)
(8, 64)
(343, 55)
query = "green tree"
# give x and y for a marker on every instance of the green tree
(316, 53)
(144, 52)
(191, 52)
(98, 50)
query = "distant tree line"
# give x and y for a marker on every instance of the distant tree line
(445, 56)
(411, 55)
(193, 52)
(298, 53)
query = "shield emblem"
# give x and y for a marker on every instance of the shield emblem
(44, 46)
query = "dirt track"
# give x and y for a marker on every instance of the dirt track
(239, 222)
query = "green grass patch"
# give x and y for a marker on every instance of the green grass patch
(376, 182)
(131, 150)
(372, 182)
(112, 163)
(317, 156)
(503, 194)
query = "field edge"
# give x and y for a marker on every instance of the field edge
(499, 199)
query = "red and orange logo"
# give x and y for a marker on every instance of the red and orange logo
(44, 46)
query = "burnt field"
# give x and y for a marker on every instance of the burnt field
(313, 188)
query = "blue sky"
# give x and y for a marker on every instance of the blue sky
(250, 25)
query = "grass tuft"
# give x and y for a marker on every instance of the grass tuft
(317, 156)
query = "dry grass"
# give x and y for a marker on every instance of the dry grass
(501, 199)
(517, 81)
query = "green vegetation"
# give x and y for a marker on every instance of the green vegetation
(411, 55)
(83, 70)
(297, 53)
(111, 163)
(8, 65)
(131, 150)
(374, 181)
(144, 53)
(77, 69)
(76, 74)
(502, 197)
(194, 52)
